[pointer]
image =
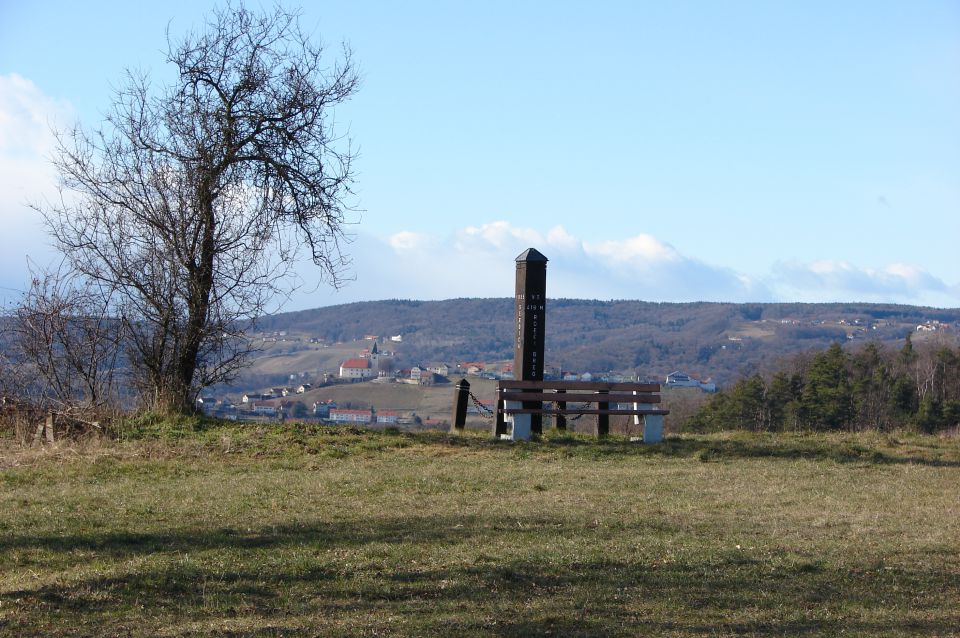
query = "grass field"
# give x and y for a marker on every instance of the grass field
(263, 531)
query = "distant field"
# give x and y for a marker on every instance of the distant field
(427, 401)
(233, 530)
(753, 330)
(294, 357)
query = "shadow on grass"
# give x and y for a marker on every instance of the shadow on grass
(426, 531)
(326, 578)
(706, 448)
(809, 449)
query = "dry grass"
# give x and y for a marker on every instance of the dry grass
(285, 357)
(247, 531)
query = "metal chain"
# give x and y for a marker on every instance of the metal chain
(484, 411)
(488, 413)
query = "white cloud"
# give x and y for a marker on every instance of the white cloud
(478, 261)
(496, 236)
(407, 241)
(837, 280)
(641, 251)
(26, 117)
(26, 140)
(559, 237)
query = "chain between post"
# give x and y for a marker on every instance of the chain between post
(488, 413)
(483, 410)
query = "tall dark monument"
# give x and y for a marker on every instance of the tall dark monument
(531, 298)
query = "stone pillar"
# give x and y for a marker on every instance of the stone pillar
(652, 428)
(530, 305)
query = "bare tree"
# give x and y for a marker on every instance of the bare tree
(64, 344)
(193, 202)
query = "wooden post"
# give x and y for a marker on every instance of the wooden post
(560, 420)
(460, 404)
(44, 430)
(50, 427)
(603, 420)
(531, 298)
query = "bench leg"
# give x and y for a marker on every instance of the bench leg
(499, 425)
(560, 420)
(652, 428)
(536, 420)
(603, 420)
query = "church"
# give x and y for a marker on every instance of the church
(363, 368)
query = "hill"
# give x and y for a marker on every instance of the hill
(718, 340)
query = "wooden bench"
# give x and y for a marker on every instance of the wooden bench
(561, 399)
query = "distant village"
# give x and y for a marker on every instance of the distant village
(860, 328)
(376, 365)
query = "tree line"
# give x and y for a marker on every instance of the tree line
(871, 388)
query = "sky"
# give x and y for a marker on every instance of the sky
(664, 151)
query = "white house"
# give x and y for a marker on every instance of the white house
(350, 416)
(679, 379)
(473, 369)
(265, 408)
(387, 416)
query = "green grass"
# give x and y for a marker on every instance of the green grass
(267, 531)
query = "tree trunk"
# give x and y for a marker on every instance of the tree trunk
(181, 397)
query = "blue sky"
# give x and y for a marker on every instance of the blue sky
(666, 151)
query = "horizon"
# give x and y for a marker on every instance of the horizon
(677, 153)
(509, 298)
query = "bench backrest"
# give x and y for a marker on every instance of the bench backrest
(599, 392)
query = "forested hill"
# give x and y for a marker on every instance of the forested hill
(718, 340)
